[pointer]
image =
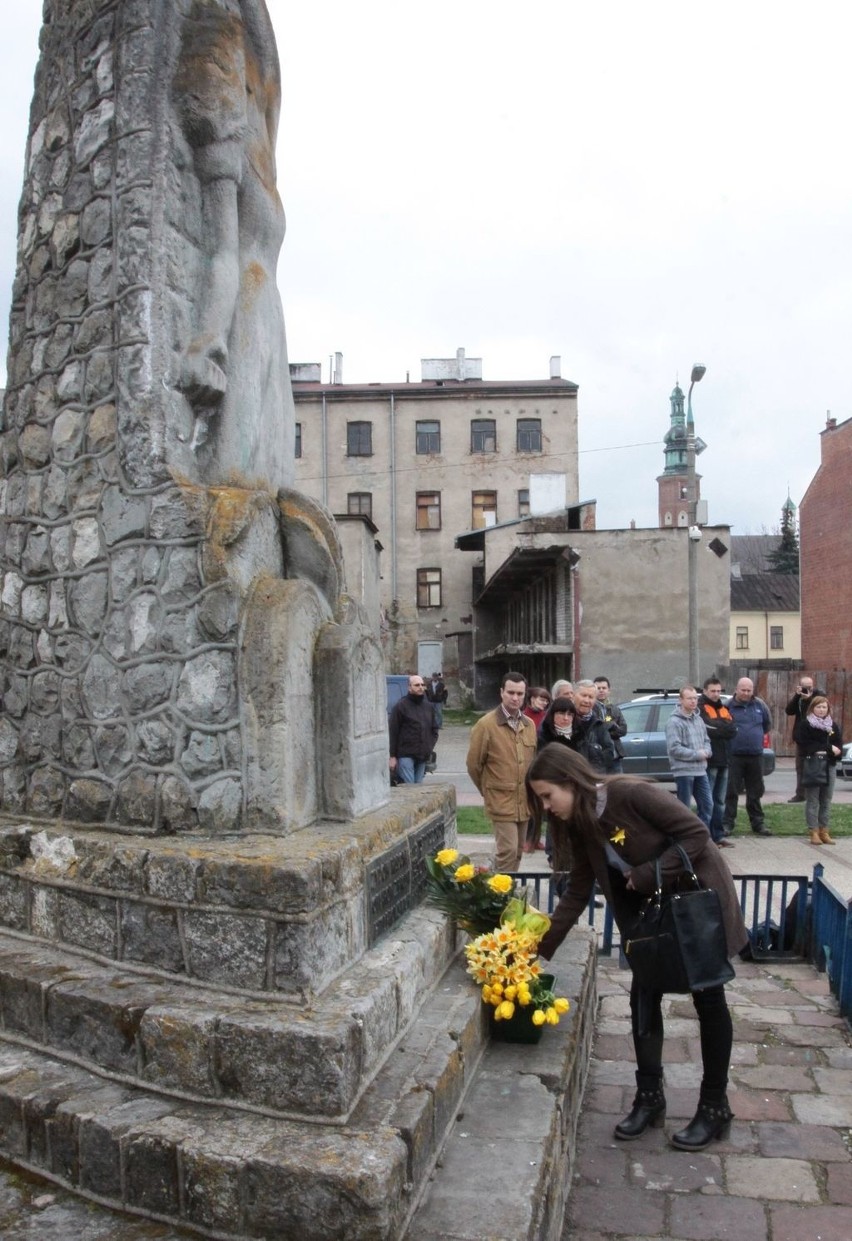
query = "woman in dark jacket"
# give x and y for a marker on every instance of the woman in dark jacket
(555, 725)
(615, 829)
(817, 734)
(558, 723)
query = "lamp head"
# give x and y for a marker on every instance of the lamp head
(698, 372)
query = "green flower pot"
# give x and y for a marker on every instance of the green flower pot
(519, 1028)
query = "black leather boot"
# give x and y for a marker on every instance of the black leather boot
(712, 1122)
(649, 1109)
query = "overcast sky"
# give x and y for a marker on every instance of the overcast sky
(635, 187)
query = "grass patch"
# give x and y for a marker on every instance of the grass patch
(782, 820)
(452, 715)
(786, 820)
(472, 821)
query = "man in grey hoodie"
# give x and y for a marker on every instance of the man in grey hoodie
(688, 746)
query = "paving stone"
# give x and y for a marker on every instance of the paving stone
(775, 1077)
(785, 1180)
(795, 1141)
(819, 1020)
(705, 1218)
(673, 1171)
(755, 1105)
(838, 1057)
(839, 1183)
(818, 1223)
(615, 1210)
(802, 1036)
(834, 1081)
(789, 1055)
(822, 1110)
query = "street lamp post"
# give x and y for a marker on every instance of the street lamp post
(693, 531)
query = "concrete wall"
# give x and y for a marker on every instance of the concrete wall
(633, 606)
(395, 473)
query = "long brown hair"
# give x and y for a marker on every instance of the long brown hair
(557, 764)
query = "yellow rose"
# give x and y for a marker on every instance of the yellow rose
(500, 883)
(506, 1010)
(465, 873)
(561, 1004)
(538, 1017)
(446, 856)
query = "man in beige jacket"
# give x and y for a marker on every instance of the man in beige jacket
(502, 746)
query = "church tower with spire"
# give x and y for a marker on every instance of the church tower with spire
(672, 483)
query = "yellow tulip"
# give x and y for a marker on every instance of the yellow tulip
(445, 857)
(561, 1004)
(465, 873)
(552, 1017)
(506, 1010)
(511, 992)
(538, 1017)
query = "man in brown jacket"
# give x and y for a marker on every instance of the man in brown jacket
(502, 746)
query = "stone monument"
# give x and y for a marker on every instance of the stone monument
(213, 954)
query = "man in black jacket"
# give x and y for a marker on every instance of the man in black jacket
(720, 728)
(613, 719)
(412, 733)
(798, 708)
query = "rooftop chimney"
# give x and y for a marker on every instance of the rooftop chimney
(555, 367)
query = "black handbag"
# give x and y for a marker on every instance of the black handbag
(677, 940)
(815, 770)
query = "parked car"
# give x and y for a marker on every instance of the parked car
(844, 763)
(645, 740)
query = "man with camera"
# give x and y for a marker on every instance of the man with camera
(798, 708)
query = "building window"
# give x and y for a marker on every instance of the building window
(524, 502)
(298, 440)
(483, 435)
(428, 588)
(529, 435)
(428, 510)
(776, 637)
(360, 503)
(427, 438)
(359, 439)
(482, 503)
(742, 637)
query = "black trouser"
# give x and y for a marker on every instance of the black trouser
(715, 1028)
(745, 771)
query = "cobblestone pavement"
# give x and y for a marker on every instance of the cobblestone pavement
(785, 1174)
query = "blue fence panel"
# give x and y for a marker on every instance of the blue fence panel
(775, 909)
(831, 939)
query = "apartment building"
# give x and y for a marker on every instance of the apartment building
(426, 462)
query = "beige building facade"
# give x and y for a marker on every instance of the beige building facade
(426, 462)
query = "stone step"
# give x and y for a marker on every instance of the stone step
(507, 1165)
(233, 1174)
(292, 1060)
(256, 913)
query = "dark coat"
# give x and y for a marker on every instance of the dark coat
(411, 728)
(592, 739)
(798, 707)
(650, 818)
(720, 729)
(814, 740)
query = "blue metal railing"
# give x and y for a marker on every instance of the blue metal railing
(830, 940)
(789, 917)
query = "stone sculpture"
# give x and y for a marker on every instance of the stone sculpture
(179, 648)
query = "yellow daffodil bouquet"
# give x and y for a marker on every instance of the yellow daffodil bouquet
(504, 963)
(474, 896)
